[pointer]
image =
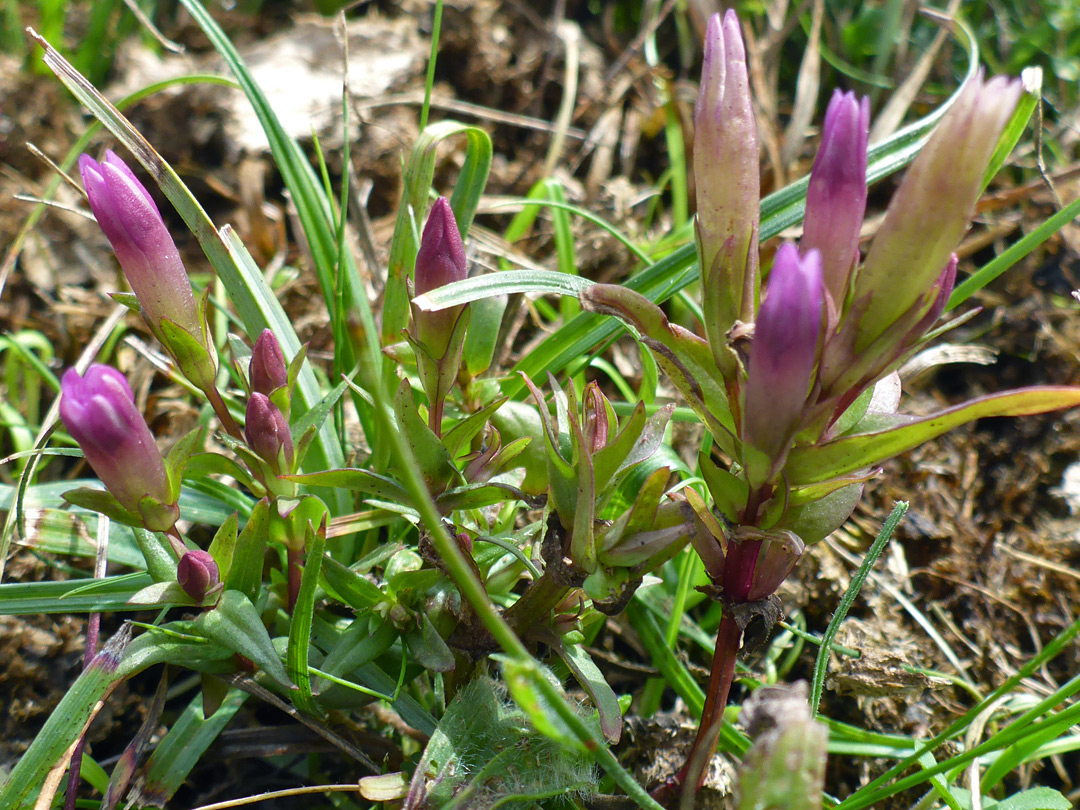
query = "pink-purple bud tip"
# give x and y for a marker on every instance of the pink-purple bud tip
(268, 434)
(197, 574)
(836, 196)
(784, 350)
(100, 414)
(267, 370)
(439, 261)
(147, 254)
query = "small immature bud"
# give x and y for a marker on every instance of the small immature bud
(268, 434)
(599, 425)
(836, 196)
(133, 225)
(99, 412)
(267, 369)
(439, 261)
(784, 351)
(776, 558)
(197, 574)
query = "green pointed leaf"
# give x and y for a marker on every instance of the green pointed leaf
(98, 500)
(370, 483)
(592, 679)
(356, 591)
(236, 625)
(223, 546)
(434, 459)
(158, 552)
(808, 465)
(178, 457)
(296, 657)
(245, 573)
(464, 430)
(480, 341)
(428, 647)
(729, 492)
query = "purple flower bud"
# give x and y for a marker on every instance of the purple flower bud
(197, 574)
(100, 414)
(726, 173)
(784, 351)
(267, 433)
(836, 196)
(267, 370)
(146, 252)
(439, 261)
(930, 211)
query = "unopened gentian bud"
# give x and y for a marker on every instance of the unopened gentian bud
(267, 370)
(726, 174)
(99, 412)
(267, 433)
(147, 254)
(836, 196)
(197, 574)
(783, 353)
(930, 211)
(599, 425)
(440, 260)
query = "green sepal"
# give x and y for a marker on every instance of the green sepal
(191, 355)
(729, 492)
(246, 571)
(129, 300)
(434, 460)
(158, 516)
(236, 624)
(438, 375)
(177, 459)
(98, 500)
(223, 546)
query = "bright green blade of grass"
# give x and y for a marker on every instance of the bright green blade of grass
(300, 626)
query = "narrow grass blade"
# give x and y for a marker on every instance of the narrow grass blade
(821, 666)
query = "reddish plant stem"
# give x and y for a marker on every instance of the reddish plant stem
(295, 562)
(728, 642)
(93, 627)
(223, 415)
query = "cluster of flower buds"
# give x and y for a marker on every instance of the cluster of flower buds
(438, 337)
(589, 456)
(795, 379)
(99, 412)
(151, 263)
(266, 421)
